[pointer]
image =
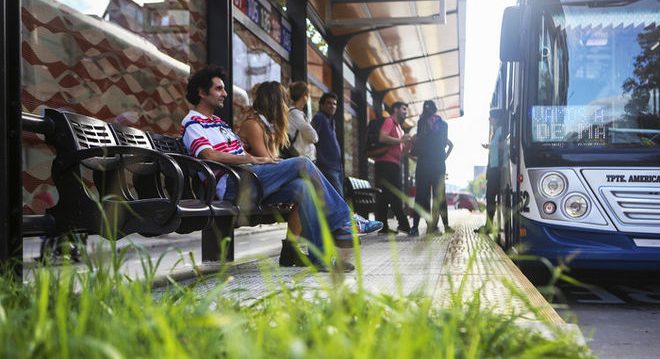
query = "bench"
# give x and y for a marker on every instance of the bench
(361, 195)
(141, 183)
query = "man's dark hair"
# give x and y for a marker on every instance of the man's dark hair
(326, 96)
(398, 104)
(203, 79)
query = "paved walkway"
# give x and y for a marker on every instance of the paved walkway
(434, 265)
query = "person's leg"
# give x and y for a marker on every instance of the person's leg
(492, 186)
(276, 176)
(336, 179)
(395, 199)
(441, 198)
(381, 198)
(422, 193)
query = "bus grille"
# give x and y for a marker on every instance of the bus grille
(636, 209)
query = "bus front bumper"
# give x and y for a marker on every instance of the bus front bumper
(590, 249)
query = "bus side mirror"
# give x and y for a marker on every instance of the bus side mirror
(510, 47)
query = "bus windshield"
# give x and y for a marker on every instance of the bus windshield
(598, 75)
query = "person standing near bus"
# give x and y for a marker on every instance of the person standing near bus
(388, 168)
(432, 147)
(495, 147)
(328, 153)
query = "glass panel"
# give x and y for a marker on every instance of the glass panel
(597, 76)
(117, 60)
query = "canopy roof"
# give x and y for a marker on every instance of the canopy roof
(416, 48)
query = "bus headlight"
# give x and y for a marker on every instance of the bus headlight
(553, 184)
(576, 205)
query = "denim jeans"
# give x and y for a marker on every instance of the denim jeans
(336, 179)
(284, 182)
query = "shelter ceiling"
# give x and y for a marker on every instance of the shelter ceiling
(395, 50)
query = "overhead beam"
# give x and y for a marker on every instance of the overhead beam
(419, 83)
(371, 1)
(438, 19)
(369, 69)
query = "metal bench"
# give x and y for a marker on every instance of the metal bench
(253, 209)
(361, 195)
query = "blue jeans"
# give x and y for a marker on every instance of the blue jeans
(336, 179)
(283, 182)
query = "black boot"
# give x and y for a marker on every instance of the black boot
(291, 255)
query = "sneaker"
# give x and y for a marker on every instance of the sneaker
(414, 232)
(387, 231)
(433, 230)
(336, 266)
(364, 226)
(449, 230)
(405, 230)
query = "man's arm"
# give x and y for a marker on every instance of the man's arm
(384, 137)
(231, 159)
(450, 146)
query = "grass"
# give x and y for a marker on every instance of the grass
(66, 312)
(99, 313)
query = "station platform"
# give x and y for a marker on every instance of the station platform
(439, 266)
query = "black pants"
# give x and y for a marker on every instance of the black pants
(388, 174)
(430, 183)
(492, 188)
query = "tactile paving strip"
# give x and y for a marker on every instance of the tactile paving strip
(433, 265)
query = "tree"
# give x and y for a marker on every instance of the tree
(478, 186)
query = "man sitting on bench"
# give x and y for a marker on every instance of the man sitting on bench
(208, 137)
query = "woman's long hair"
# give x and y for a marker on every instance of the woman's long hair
(429, 109)
(271, 101)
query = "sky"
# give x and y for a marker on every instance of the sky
(467, 133)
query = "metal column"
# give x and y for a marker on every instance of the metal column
(297, 11)
(11, 243)
(220, 28)
(360, 98)
(336, 59)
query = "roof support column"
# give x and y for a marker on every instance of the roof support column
(11, 242)
(297, 11)
(336, 46)
(360, 99)
(220, 28)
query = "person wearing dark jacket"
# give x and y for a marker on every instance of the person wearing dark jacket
(328, 153)
(432, 147)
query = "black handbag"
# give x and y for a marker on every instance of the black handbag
(290, 151)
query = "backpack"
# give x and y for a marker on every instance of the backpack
(290, 151)
(374, 147)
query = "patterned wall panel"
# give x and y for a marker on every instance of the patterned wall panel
(102, 69)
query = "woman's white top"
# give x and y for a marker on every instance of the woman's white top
(307, 136)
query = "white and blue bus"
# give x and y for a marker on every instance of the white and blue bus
(579, 100)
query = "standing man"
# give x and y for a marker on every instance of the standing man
(388, 168)
(328, 153)
(495, 147)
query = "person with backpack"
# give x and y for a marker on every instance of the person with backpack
(302, 136)
(431, 147)
(388, 168)
(328, 153)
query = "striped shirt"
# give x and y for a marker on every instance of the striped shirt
(200, 132)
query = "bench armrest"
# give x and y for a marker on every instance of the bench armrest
(169, 167)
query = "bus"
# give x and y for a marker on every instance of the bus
(578, 100)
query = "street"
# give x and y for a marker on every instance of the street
(618, 313)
